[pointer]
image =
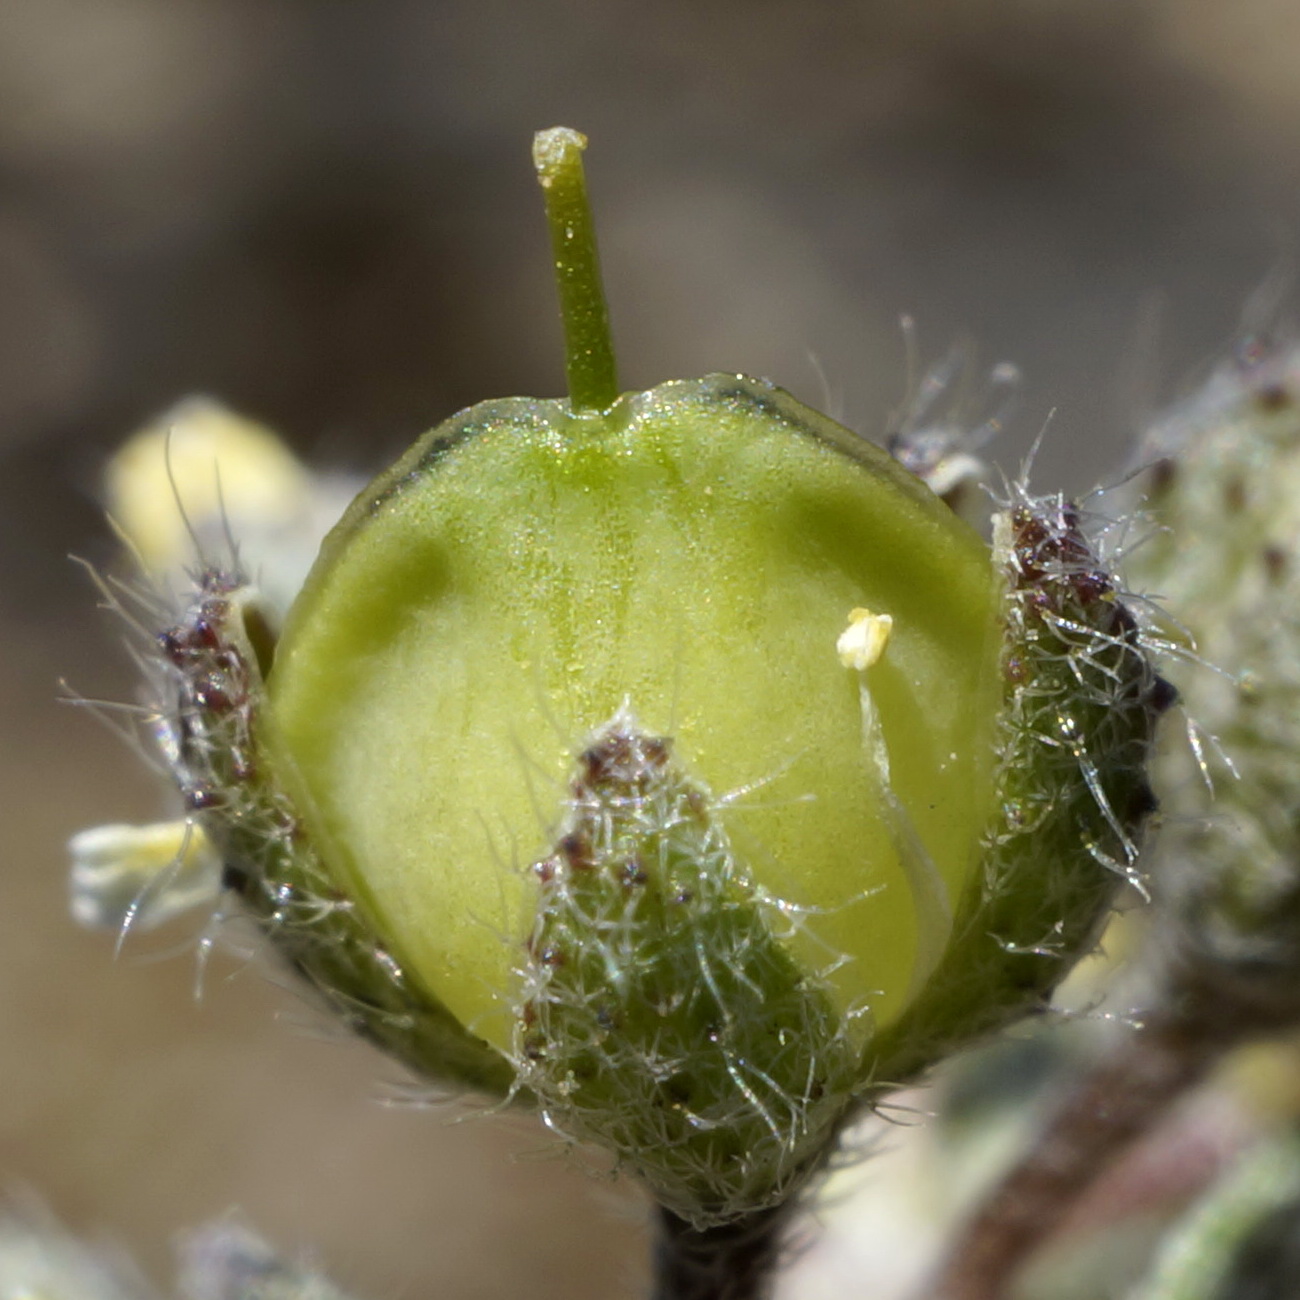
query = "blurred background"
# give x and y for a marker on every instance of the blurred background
(323, 212)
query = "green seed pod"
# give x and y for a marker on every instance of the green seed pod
(567, 781)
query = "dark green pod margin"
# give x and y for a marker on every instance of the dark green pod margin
(1082, 702)
(213, 663)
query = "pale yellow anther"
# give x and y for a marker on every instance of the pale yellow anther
(863, 642)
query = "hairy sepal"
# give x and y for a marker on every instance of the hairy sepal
(661, 1013)
(1081, 702)
(211, 666)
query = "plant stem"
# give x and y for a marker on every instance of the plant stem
(1119, 1100)
(589, 353)
(736, 1261)
(1211, 997)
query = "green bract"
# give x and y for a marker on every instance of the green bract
(674, 761)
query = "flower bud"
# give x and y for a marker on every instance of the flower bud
(200, 475)
(140, 876)
(1225, 486)
(674, 761)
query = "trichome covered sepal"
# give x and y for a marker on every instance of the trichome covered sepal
(206, 677)
(1095, 694)
(209, 665)
(1081, 704)
(659, 1012)
(1082, 699)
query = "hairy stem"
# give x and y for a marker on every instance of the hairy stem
(736, 1261)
